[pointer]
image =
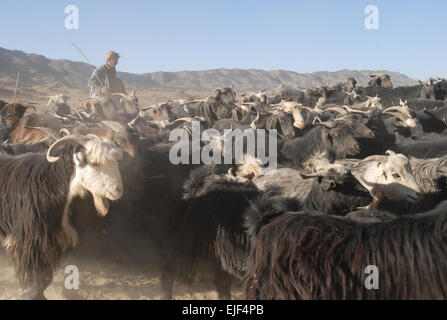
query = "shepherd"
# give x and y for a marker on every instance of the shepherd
(103, 82)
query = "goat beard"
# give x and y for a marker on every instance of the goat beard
(101, 204)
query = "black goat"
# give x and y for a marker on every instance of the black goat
(212, 229)
(335, 138)
(333, 192)
(19, 148)
(424, 149)
(309, 255)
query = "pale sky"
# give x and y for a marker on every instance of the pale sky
(174, 35)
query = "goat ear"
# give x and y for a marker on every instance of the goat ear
(287, 126)
(327, 185)
(80, 159)
(359, 172)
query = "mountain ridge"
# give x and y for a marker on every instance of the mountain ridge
(36, 69)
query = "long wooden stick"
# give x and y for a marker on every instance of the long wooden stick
(88, 62)
(17, 84)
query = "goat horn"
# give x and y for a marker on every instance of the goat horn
(377, 158)
(306, 175)
(397, 108)
(310, 109)
(147, 108)
(194, 101)
(327, 124)
(119, 94)
(64, 130)
(355, 110)
(315, 120)
(253, 125)
(184, 119)
(336, 109)
(400, 116)
(390, 153)
(133, 122)
(343, 117)
(70, 139)
(402, 109)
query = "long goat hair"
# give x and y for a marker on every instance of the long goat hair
(212, 229)
(33, 195)
(213, 223)
(309, 255)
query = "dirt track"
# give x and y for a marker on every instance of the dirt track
(102, 281)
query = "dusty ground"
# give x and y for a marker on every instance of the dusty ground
(105, 281)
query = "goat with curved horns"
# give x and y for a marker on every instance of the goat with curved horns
(36, 191)
(129, 102)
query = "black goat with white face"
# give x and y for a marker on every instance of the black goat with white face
(36, 191)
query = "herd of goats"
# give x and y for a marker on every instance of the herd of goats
(361, 180)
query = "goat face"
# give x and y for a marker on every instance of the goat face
(225, 95)
(340, 141)
(414, 123)
(342, 192)
(281, 121)
(388, 176)
(96, 170)
(58, 99)
(298, 120)
(294, 109)
(130, 103)
(373, 103)
(358, 127)
(160, 112)
(397, 173)
(12, 113)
